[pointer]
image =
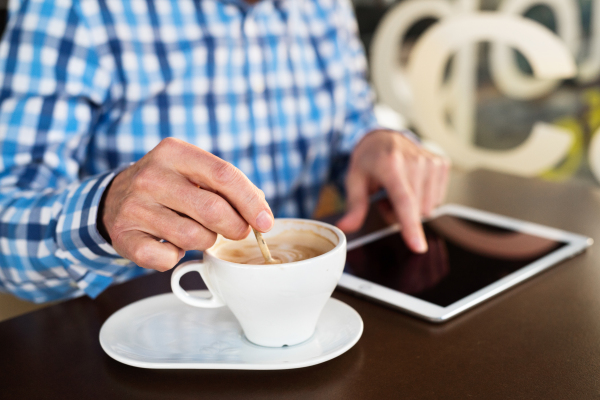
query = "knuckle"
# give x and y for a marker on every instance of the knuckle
(421, 163)
(144, 256)
(206, 240)
(389, 163)
(239, 232)
(148, 256)
(169, 143)
(436, 162)
(446, 163)
(393, 168)
(190, 235)
(145, 179)
(397, 161)
(225, 173)
(212, 210)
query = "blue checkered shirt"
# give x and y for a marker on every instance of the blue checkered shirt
(90, 86)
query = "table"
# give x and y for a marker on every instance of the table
(539, 340)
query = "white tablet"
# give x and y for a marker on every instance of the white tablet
(473, 255)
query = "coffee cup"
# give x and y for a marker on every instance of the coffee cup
(276, 304)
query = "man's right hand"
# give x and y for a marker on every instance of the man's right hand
(183, 195)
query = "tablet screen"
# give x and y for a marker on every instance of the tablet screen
(464, 256)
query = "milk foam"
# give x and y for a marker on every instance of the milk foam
(289, 246)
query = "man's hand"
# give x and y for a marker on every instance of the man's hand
(177, 198)
(414, 179)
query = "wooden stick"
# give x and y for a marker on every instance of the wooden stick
(264, 249)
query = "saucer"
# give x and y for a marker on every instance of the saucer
(163, 332)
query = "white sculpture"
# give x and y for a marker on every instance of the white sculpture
(503, 64)
(594, 154)
(549, 58)
(387, 71)
(513, 82)
(589, 69)
(389, 75)
(456, 96)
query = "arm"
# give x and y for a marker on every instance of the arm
(176, 198)
(414, 178)
(53, 88)
(359, 118)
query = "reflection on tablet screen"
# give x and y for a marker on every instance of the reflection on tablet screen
(464, 256)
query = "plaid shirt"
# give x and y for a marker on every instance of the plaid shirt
(90, 86)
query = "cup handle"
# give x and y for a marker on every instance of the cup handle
(202, 268)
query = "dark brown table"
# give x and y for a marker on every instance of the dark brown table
(540, 340)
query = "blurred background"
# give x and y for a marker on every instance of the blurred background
(501, 115)
(486, 98)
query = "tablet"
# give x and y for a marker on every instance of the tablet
(473, 255)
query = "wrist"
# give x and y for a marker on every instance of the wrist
(100, 217)
(114, 190)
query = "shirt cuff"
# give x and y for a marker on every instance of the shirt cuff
(339, 166)
(356, 128)
(90, 260)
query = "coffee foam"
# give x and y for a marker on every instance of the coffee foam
(289, 246)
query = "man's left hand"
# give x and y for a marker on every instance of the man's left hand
(414, 178)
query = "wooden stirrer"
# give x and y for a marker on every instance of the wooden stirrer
(262, 245)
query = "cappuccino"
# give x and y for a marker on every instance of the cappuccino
(278, 304)
(288, 246)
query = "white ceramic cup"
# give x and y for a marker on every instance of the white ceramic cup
(278, 304)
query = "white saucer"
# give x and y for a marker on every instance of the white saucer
(163, 332)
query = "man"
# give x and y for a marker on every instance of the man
(133, 131)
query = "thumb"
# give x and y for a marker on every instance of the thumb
(358, 203)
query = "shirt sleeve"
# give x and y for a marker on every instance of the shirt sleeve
(359, 114)
(53, 88)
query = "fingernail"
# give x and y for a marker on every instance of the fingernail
(264, 221)
(419, 244)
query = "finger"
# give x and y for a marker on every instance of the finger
(387, 212)
(148, 252)
(417, 175)
(246, 198)
(431, 186)
(405, 205)
(207, 170)
(207, 208)
(181, 231)
(444, 180)
(358, 202)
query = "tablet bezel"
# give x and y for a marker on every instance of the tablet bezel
(576, 244)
